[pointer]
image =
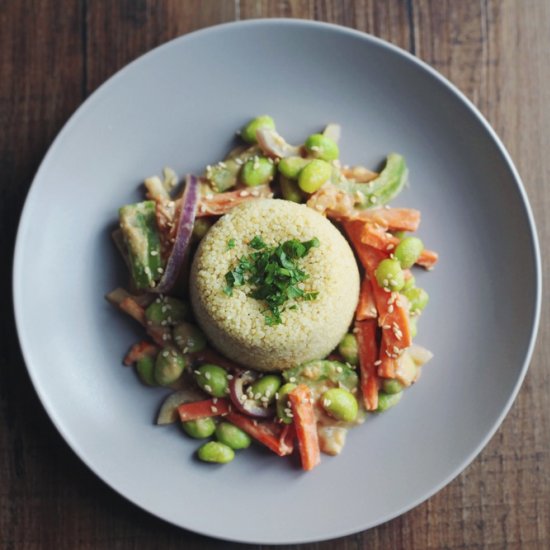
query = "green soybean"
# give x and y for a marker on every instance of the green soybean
(322, 147)
(265, 388)
(390, 275)
(201, 428)
(257, 171)
(166, 311)
(233, 437)
(169, 366)
(145, 368)
(212, 379)
(290, 190)
(418, 299)
(189, 338)
(314, 175)
(283, 406)
(248, 133)
(388, 400)
(340, 404)
(349, 349)
(216, 452)
(408, 251)
(290, 167)
(391, 386)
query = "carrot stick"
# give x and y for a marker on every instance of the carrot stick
(369, 256)
(366, 308)
(203, 409)
(138, 351)
(306, 426)
(368, 355)
(388, 364)
(394, 219)
(378, 237)
(268, 433)
(428, 259)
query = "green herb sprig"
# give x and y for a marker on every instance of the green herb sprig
(273, 274)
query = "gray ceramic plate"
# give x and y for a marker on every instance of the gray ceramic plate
(179, 106)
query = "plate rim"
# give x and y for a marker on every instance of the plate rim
(442, 81)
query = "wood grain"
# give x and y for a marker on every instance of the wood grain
(55, 53)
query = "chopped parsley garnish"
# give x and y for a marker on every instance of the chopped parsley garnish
(273, 274)
(231, 244)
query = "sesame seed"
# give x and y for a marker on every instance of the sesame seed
(202, 208)
(208, 388)
(154, 252)
(378, 362)
(165, 353)
(230, 377)
(214, 409)
(222, 164)
(390, 309)
(390, 247)
(292, 379)
(207, 375)
(215, 400)
(244, 193)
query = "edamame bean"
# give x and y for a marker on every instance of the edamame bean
(349, 349)
(322, 147)
(248, 133)
(314, 175)
(340, 404)
(166, 311)
(212, 379)
(145, 368)
(290, 190)
(391, 386)
(409, 283)
(390, 275)
(216, 452)
(408, 251)
(290, 167)
(284, 412)
(233, 437)
(169, 366)
(257, 171)
(265, 388)
(418, 299)
(200, 428)
(201, 227)
(388, 400)
(189, 338)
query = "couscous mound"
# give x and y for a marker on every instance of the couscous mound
(236, 325)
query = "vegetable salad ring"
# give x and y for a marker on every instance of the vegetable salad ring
(310, 406)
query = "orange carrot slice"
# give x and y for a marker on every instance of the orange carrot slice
(387, 364)
(368, 356)
(204, 409)
(306, 426)
(394, 219)
(428, 259)
(366, 308)
(271, 435)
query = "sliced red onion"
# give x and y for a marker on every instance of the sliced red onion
(273, 145)
(186, 220)
(241, 401)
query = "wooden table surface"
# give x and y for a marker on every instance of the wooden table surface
(55, 53)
